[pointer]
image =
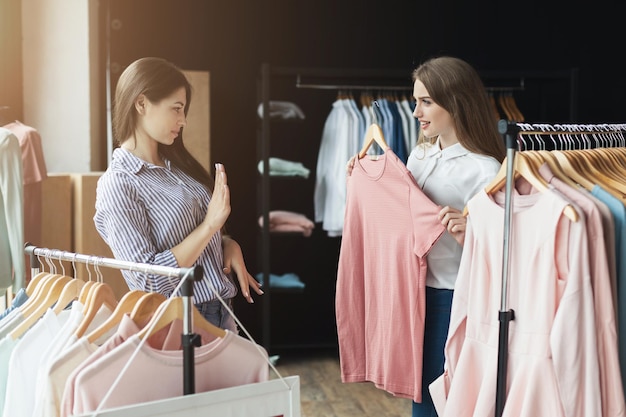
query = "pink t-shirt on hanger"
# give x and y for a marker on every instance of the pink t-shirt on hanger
(390, 225)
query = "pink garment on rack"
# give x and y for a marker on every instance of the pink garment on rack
(390, 225)
(81, 354)
(552, 348)
(604, 293)
(225, 362)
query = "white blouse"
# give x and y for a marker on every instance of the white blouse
(449, 177)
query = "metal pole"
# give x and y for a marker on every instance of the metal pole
(189, 338)
(509, 131)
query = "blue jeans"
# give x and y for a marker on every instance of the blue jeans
(438, 305)
(217, 314)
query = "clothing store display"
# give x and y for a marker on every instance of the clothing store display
(283, 167)
(12, 264)
(390, 227)
(557, 325)
(52, 371)
(565, 349)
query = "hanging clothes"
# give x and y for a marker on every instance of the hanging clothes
(342, 137)
(34, 173)
(565, 347)
(222, 363)
(339, 143)
(604, 286)
(553, 355)
(12, 263)
(380, 300)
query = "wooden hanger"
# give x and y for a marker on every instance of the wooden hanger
(34, 282)
(84, 292)
(41, 306)
(125, 306)
(615, 159)
(573, 171)
(145, 308)
(525, 169)
(581, 169)
(40, 293)
(100, 294)
(604, 169)
(70, 292)
(172, 309)
(373, 134)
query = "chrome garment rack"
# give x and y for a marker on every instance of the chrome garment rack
(189, 339)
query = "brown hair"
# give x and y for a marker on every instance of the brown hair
(156, 79)
(456, 86)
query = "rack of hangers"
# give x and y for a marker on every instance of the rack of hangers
(574, 150)
(271, 397)
(189, 339)
(542, 136)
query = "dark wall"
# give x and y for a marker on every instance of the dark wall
(231, 39)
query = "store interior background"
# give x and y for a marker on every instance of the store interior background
(231, 40)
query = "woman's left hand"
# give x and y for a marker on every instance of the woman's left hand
(233, 261)
(455, 223)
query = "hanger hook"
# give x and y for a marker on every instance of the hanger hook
(61, 263)
(51, 266)
(99, 275)
(74, 264)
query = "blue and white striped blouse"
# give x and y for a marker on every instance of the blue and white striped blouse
(144, 210)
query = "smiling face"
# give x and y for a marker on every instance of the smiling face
(434, 119)
(162, 120)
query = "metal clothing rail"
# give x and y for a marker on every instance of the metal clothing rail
(570, 136)
(189, 339)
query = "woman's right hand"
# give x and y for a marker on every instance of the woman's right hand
(350, 166)
(219, 207)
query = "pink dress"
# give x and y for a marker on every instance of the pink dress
(390, 226)
(553, 359)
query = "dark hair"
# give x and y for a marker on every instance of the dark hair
(456, 86)
(156, 79)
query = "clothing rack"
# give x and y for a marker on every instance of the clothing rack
(304, 78)
(189, 339)
(367, 79)
(561, 135)
(570, 136)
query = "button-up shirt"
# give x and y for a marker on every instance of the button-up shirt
(449, 177)
(144, 210)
